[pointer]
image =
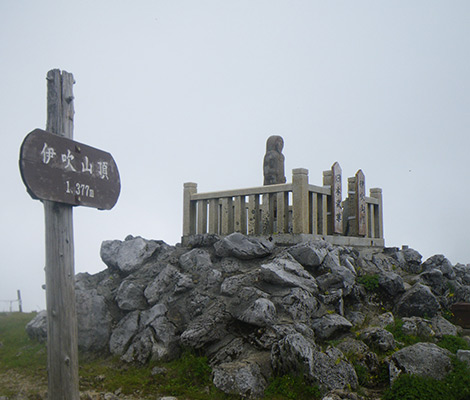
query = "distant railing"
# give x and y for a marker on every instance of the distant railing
(17, 300)
(290, 208)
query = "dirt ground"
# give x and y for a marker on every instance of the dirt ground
(21, 387)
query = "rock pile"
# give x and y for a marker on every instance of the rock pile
(258, 310)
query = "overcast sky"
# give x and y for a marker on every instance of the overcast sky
(189, 91)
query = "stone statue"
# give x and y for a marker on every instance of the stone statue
(273, 164)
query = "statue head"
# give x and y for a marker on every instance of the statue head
(275, 143)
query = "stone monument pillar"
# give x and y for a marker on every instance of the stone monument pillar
(273, 164)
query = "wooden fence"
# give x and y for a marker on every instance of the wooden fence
(291, 208)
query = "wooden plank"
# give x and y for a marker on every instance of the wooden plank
(324, 214)
(214, 216)
(376, 194)
(240, 214)
(371, 221)
(313, 213)
(226, 223)
(253, 215)
(62, 337)
(282, 207)
(300, 202)
(267, 214)
(245, 192)
(202, 216)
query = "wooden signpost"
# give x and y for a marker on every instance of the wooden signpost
(63, 173)
(58, 169)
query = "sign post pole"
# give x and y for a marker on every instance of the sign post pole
(64, 173)
(62, 334)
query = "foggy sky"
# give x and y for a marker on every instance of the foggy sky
(186, 91)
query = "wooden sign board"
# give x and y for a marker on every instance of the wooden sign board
(58, 169)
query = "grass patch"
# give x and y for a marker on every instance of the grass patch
(456, 386)
(291, 387)
(370, 282)
(189, 377)
(453, 343)
(396, 330)
(18, 351)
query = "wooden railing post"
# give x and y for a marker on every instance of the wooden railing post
(189, 209)
(378, 224)
(300, 200)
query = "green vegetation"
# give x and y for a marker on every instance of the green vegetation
(17, 351)
(370, 282)
(453, 343)
(456, 386)
(292, 388)
(188, 377)
(396, 330)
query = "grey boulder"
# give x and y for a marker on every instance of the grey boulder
(423, 359)
(288, 273)
(418, 302)
(128, 255)
(243, 247)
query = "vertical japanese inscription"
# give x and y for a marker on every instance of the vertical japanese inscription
(59, 169)
(361, 203)
(337, 194)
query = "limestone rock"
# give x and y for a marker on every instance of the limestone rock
(391, 284)
(423, 359)
(330, 325)
(241, 378)
(336, 276)
(243, 247)
(196, 261)
(129, 255)
(37, 327)
(330, 369)
(293, 353)
(412, 260)
(378, 338)
(417, 326)
(311, 254)
(442, 326)
(434, 278)
(123, 333)
(141, 348)
(164, 332)
(261, 313)
(208, 328)
(418, 301)
(130, 296)
(464, 355)
(93, 319)
(441, 263)
(288, 273)
(232, 285)
(202, 240)
(301, 305)
(168, 282)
